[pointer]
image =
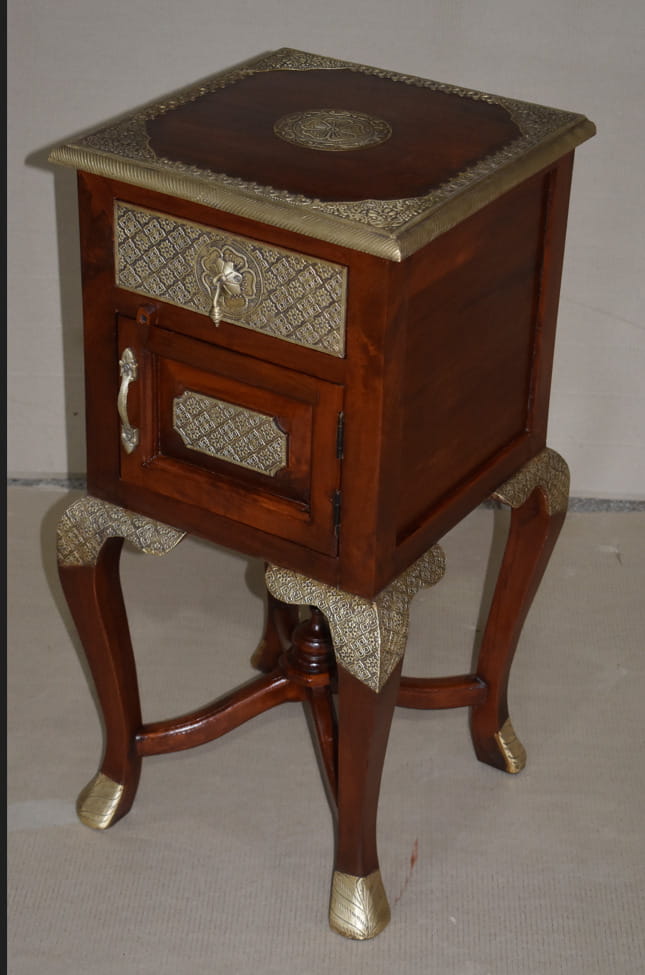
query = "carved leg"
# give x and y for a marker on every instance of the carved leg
(538, 495)
(310, 663)
(281, 620)
(90, 538)
(369, 638)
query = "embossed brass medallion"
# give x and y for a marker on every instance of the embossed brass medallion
(332, 130)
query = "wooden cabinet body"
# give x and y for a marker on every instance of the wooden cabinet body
(441, 393)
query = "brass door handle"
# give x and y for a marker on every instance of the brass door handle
(128, 372)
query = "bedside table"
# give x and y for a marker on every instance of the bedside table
(319, 307)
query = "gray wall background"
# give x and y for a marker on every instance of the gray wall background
(75, 63)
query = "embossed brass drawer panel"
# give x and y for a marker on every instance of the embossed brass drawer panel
(252, 441)
(280, 293)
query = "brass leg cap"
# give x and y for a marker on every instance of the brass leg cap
(98, 803)
(511, 748)
(358, 907)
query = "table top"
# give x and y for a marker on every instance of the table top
(367, 158)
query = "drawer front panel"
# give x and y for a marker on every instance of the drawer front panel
(246, 440)
(267, 289)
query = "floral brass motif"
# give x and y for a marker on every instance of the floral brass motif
(88, 523)
(332, 130)
(358, 906)
(231, 278)
(232, 433)
(549, 472)
(388, 228)
(368, 635)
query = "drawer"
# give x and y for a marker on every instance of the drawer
(243, 439)
(289, 296)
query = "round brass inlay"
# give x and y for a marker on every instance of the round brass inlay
(332, 129)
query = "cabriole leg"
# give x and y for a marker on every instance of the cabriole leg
(538, 496)
(281, 620)
(369, 638)
(90, 538)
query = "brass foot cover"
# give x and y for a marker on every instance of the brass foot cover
(512, 749)
(358, 907)
(99, 801)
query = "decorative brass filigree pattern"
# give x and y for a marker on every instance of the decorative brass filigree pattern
(89, 522)
(388, 228)
(358, 906)
(332, 130)
(369, 635)
(511, 748)
(547, 471)
(231, 433)
(283, 294)
(99, 801)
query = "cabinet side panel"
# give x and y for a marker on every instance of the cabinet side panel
(472, 318)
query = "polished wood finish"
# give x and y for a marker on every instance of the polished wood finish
(95, 600)
(364, 720)
(218, 718)
(231, 131)
(533, 533)
(427, 693)
(280, 622)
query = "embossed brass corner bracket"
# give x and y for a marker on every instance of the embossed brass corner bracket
(368, 635)
(88, 523)
(547, 471)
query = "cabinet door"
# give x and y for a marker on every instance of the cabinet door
(233, 435)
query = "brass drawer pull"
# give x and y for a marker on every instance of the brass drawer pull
(226, 279)
(128, 372)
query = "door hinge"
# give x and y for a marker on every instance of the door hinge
(340, 436)
(336, 501)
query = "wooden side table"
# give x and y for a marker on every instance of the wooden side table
(319, 308)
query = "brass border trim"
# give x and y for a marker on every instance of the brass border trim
(392, 229)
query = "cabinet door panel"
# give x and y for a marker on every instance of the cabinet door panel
(248, 440)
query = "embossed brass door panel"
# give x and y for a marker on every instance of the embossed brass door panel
(254, 442)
